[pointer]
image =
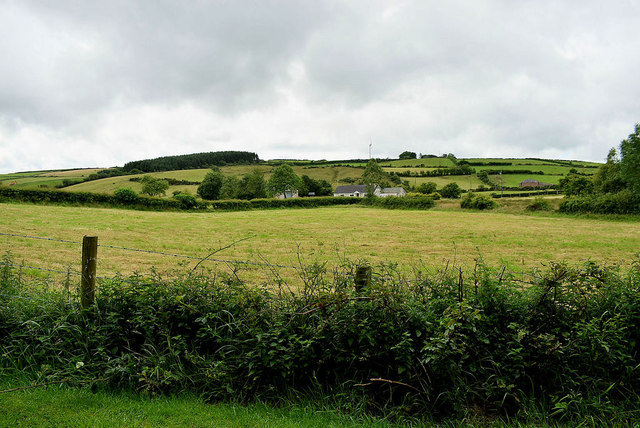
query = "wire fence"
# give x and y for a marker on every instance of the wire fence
(301, 270)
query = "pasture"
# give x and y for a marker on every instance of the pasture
(433, 238)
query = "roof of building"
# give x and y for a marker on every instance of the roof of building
(393, 190)
(351, 188)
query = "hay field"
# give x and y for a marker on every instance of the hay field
(331, 234)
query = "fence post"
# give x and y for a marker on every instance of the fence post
(362, 278)
(89, 264)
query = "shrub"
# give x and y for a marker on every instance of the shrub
(451, 190)
(187, 201)
(539, 204)
(126, 195)
(478, 202)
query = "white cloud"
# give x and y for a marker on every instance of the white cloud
(86, 84)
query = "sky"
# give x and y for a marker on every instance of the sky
(100, 83)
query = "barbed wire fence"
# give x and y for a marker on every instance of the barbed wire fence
(381, 274)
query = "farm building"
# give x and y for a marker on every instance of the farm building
(287, 194)
(393, 191)
(354, 191)
(533, 183)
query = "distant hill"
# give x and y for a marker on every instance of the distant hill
(191, 161)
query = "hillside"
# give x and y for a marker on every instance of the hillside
(507, 173)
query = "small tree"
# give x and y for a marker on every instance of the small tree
(373, 176)
(573, 184)
(153, 186)
(407, 155)
(230, 188)
(253, 185)
(630, 160)
(427, 188)
(211, 185)
(451, 190)
(283, 179)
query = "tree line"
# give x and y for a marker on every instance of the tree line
(191, 161)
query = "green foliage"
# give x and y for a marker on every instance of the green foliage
(407, 155)
(451, 190)
(539, 204)
(283, 179)
(478, 202)
(317, 187)
(573, 184)
(373, 176)
(126, 195)
(191, 161)
(153, 186)
(630, 160)
(392, 202)
(607, 179)
(253, 185)
(187, 201)
(442, 345)
(230, 188)
(211, 185)
(623, 202)
(426, 188)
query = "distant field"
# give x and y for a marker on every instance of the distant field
(333, 174)
(50, 179)
(433, 237)
(514, 180)
(532, 162)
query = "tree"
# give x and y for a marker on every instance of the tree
(211, 185)
(451, 190)
(230, 188)
(607, 178)
(373, 176)
(630, 160)
(573, 184)
(407, 155)
(253, 185)
(427, 188)
(317, 187)
(153, 186)
(283, 179)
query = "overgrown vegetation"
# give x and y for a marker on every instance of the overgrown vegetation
(560, 347)
(614, 189)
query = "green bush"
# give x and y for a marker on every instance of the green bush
(478, 202)
(126, 195)
(623, 202)
(539, 204)
(441, 345)
(188, 201)
(393, 202)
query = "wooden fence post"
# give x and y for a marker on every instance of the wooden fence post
(362, 278)
(89, 264)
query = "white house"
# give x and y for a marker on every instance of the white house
(354, 191)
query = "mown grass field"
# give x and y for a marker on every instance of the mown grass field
(429, 238)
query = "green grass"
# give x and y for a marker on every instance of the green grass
(514, 180)
(324, 234)
(79, 407)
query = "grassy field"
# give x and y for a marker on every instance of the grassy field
(433, 238)
(69, 407)
(50, 179)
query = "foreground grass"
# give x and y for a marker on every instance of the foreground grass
(71, 407)
(331, 234)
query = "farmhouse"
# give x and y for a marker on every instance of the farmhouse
(533, 183)
(354, 191)
(393, 191)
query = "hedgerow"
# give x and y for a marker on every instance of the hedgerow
(566, 345)
(623, 202)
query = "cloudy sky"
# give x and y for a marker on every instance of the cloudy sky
(99, 83)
